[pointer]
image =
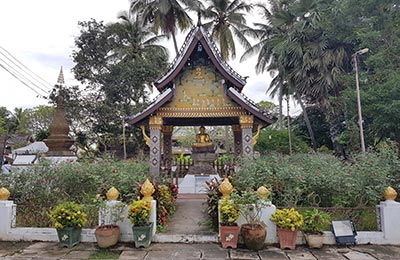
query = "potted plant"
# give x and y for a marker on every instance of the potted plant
(288, 221)
(68, 219)
(228, 229)
(315, 221)
(253, 231)
(139, 215)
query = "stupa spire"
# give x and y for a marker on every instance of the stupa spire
(60, 79)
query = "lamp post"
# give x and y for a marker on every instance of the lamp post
(360, 121)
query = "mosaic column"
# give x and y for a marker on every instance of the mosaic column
(246, 124)
(155, 125)
(237, 139)
(167, 137)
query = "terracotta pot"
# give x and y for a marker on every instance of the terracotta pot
(287, 238)
(107, 235)
(314, 240)
(229, 236)
(253, 236)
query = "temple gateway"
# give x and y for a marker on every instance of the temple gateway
(199, 89)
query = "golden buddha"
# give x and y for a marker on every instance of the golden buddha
(203, 142)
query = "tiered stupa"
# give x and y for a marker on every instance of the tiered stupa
(59, 143)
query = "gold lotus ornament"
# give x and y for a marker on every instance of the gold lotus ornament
(4, 194)
(264, 192)
(112, 194)
(390, 193)
(226, 188)
(147, 190)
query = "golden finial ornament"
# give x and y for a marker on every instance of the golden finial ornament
(147, 190)
(263, 192)
(226, 188)
(4, 194)
(112, 194)
(390, 193)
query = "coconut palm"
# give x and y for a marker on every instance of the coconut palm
(227, 22)
(165, 16)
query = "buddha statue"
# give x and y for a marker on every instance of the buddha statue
(203, 142)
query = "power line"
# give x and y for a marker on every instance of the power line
(46, 84)
(21, 80)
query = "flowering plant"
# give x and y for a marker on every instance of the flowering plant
(139, 212)
(68, 214)
(287, 219)
(315, 221)
(229, 212)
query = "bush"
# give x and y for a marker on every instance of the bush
(272, 140)
(321, 180)
(40, 188)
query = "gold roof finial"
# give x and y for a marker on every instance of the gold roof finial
(226, 188)
(147, 190)
(60, 79)
(4, 194)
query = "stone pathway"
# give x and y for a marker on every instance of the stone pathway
(51, 251)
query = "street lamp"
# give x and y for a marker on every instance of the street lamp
(360, 121)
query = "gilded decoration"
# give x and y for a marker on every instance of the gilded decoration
(147, 190)
(264, 192)
(226, 188)
(390, 193)
(155, 122)
(255, 137)
(145, 136)
(201, 87)
(112, 194)
(4, 194)
(200, 112)
(246, 121)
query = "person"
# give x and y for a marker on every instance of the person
(6, 168)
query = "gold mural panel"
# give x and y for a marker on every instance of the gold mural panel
(201, 87)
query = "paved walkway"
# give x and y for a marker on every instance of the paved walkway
(52, 251)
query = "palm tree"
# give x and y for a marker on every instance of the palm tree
(227, 21)
(165, 16)
(280, 51)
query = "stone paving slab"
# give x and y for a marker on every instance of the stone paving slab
(132, 255)
(78, 255)
(272, 253)
(300, 255)
(353, 255)
(239, 254)
(380, 252)
(327, 254)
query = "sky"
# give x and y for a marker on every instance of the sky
(40, 34)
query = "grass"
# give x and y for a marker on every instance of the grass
(105, 254)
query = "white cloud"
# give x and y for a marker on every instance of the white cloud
(41, 35)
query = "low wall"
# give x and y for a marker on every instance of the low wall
(388, 212)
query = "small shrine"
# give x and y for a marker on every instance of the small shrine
(199, 89)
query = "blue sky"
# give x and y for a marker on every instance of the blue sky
(41, 34)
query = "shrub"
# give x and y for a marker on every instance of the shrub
(321, 180)
(68, 214)
(139, 212)
(287, 219)
(272, 140)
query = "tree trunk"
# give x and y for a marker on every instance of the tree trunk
(280, 108)
(308, 124)
(288, 127)
(123, 137)
(175, 44)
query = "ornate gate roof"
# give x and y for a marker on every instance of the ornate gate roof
(199, 62)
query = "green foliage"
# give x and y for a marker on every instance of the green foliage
(229, 212)
(287, 219)
(68, 214)
(315, 221)
(321, 179)
(43, 186)
(273, 140)
(250, 205)
(105, 254)
(139, 212)
(213, 196)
